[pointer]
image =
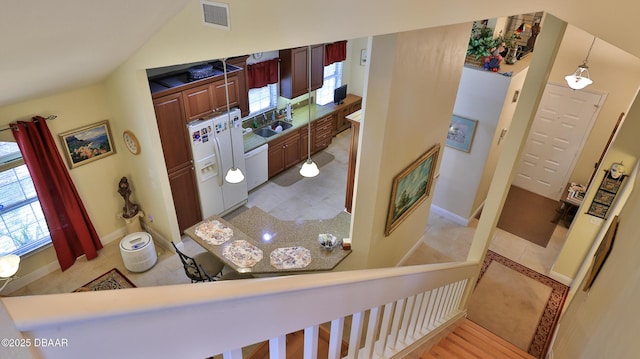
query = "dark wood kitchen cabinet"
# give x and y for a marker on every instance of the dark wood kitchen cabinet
(323, 132)
(284, 152)
(220, 96)
(304, 140)
(294, 75)
(351, 104)
(178, 100)
(185, 197)
(198, 102)
(243, 88)
(172, 126)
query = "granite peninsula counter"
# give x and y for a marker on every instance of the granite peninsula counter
(261, 256)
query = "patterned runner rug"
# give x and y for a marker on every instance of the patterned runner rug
(113, 279)
(516, 303)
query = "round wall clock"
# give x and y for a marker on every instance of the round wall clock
(131, 142)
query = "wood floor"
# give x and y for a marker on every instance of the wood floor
(295, 346)
(470, 340)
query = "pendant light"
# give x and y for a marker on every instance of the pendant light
(580, 78)
(309, 168)
(234, 175)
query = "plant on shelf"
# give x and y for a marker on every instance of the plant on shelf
(481, 42)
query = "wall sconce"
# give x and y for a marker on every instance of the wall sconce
(581, 78)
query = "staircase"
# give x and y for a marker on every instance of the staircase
(472, 341)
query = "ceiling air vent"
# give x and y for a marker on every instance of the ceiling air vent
(216, 14)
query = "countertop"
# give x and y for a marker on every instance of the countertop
(321, 259)
(298, 120)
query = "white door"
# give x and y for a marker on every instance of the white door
(558, 133)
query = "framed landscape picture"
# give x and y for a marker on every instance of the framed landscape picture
(461, 132)
(87, 144)
(410, 188)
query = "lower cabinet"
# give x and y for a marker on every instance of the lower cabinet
(185, 196)
(341, 121)
(284, 153)
(323, 132)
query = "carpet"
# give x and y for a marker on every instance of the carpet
(113, 279)
(292, 175)
(506, 291)
(529, 216)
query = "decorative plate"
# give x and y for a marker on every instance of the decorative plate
(290, 257)
(214, 232)
(131, 141)
(242, 253)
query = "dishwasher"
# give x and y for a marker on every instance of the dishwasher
(257, 166)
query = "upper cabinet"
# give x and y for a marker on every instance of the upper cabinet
(206, 96)
(294, 74)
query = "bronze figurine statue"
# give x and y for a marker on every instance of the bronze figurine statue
(130, 209)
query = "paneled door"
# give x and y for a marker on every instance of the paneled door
(561, 126)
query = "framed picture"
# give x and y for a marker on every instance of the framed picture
(602, 253)
(410, 188)
(461, 132)
(87, 144)
(604, 197)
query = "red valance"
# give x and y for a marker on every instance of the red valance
(262, 73)
(335, 52)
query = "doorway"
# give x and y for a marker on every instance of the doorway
(559, 131)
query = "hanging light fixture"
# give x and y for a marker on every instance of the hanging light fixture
(581, 79)
(234, 175)
(309, 168)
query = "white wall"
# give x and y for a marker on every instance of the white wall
(481, 95)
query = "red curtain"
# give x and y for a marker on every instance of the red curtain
(335, 52)
(262, 73)
(71, 230)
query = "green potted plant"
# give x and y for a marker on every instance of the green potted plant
(481, 42)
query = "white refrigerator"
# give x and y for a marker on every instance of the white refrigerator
(211, 141)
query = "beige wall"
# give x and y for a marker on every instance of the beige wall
(96, 182)
(601, 323)
(409, 72)
(617, 74)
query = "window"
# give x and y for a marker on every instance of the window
(22, 224)
(263, 98)
(332, 80)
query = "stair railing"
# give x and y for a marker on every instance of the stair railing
(379, 312)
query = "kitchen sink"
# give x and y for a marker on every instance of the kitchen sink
(265, 132)
(285, 125)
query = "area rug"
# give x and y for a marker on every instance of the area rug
(516, 303)
(529, 216)
(113, 279)
(292, 175)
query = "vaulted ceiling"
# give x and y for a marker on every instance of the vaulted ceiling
(52, 46)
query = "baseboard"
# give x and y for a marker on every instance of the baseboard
(31, 276)
(158, 238)
(410, 252)
(51, 267)
(113, 236)
(561, 278)
(450, 215)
